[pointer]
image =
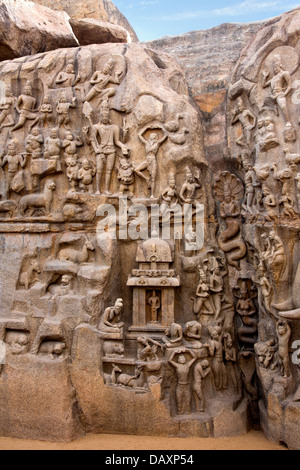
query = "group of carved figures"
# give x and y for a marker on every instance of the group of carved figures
(102, 142)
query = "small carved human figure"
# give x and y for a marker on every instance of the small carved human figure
(281, 86)
(202, 293)
(188, 192)
(193, 333)
(284, 333)
(155, 304)
(7, 110)
(63, 111)
(152, 146)
(45, 116)
(126, 177)
(34, 143)
(288, 191)
(110, 320)
(266, 287)
(70, 145)
(109, 136)
(216, 287)
(274, 255)
(65, 287)
(218, 366)
(73, 167)
(251, 183)
(169, 196)
(245, 292)
(183, 390)
(53, 146)
(201, 371)
(86, 175)
(25, 106)
(266, 352)
(147, 349)
(270, 204)
(191, 242)
(173, 336)
(67, 78)
(14, 162)
(101, 79)
(231, 360)
(247, 120)
(266, 135)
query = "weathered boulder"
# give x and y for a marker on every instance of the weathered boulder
(90, 31)
(103, 10)
(27, 28)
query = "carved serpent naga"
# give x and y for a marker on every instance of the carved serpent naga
(229, 191)
(245, 292)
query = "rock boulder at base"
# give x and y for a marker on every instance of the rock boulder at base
(27, 28)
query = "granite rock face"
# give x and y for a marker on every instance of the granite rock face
(90, 31)
(27, 28)
(103, 10)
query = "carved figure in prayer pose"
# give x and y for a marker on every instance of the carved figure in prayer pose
(25, 106)
(284, 333)
(183, 367)
(7, 110)
(231, 360)
(246, 309)
(63, 111)
(67, 78)
(152, 147)
(126, 173)
(110, 320)
(46, 112)
(101, 79)
(155, 304)
(281, 86)
(86, 175)
(173, 336)
(218, 366)
(73, 172)
(147, 349)
(247, 121)
(53, 146)
(14, 162)
(201, 371)
(34, 143)
(251, 184)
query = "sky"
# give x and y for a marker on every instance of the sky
(153, 19)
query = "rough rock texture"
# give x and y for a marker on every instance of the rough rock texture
(103, 10)
(90, 31)
(27, 28)
(208, 58)
(115, 320)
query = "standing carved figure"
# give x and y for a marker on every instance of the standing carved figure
(245, 292)
(183, 367)
(247, 120)
(109, 136)
(284, 333)
(7, 110)
(274, 255)
(152, 147)
(218, 366)
(155, 304)
(201, 371)
(281, 86)
(288, 198)
(63, 111)
(101, 79)
(14, 162)
(229, 191)
(53, 146)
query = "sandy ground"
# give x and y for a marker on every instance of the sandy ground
(252, 441)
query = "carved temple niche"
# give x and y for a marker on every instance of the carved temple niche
(263, 131)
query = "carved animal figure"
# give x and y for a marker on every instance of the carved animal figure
(28, 277)
(113, 349)
(76, 256)
(112, 379)
(53, 349)
(8, 206)
(38, 201)
(139, 380)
